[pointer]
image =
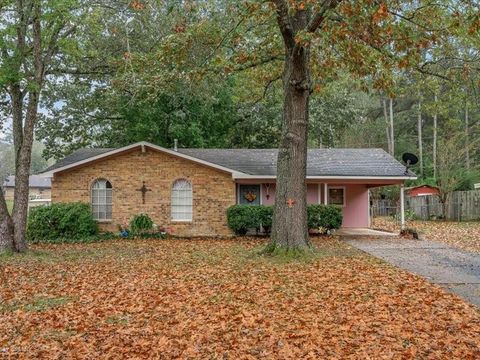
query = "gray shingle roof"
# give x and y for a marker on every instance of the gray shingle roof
(263, 162)
(34, 181)
(320, 162)
(78, 155)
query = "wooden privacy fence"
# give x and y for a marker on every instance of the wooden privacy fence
(384, 207)
(462, 206)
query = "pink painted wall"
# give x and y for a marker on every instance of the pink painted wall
(270, 191)
(312, 194)
(355, 212)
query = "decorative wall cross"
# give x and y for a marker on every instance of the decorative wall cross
(143, 190)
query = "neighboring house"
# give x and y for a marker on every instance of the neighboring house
(189, 190)
(40, 187)
(423, 190)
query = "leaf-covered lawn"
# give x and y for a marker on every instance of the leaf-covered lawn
(215, 299)
(464, 235)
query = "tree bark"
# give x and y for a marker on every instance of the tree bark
(387, 128)
(289, 228)
(290, 215)
(14, 226)
(444, 209)
(467, 138)
(6, 226)
(435, 126)
(420, 140)
(22, 173)
(392, 133)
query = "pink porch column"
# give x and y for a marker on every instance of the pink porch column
(355, 211)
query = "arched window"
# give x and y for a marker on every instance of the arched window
(182, 202)
(102, 200)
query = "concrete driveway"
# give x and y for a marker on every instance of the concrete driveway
(456, 270)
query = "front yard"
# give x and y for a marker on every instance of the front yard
(463, 235)
(213, 299)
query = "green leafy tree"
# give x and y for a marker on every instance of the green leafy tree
(35, 37)
(361, 37)
(452, 174)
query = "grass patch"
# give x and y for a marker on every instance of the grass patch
(121, 319)
(321, 247)
(44, 303)
(39, 304)
(31, 255)
(286, 254)
(6, 254)
(9, 205)
(59, 335)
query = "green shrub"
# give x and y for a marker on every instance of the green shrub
(141, 224)
(82, 240)
(326, 217)
(241, 218)
(72, 221)
(410, 215)
(264, 217)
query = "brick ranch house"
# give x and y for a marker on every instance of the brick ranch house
(189, 190)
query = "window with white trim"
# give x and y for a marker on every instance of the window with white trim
(336, 195)
(182, 200)
(102, 200)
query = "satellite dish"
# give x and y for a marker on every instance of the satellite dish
(409, 160)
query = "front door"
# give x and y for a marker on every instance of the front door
(249, 194)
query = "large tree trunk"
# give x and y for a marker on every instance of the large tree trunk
(21, 197)
(435, 126)
(289, 228)
(290, 216)
(6, 226)
(24, 124)
(420, 137)
(22, 173)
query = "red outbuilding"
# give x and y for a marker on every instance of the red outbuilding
(423, 190)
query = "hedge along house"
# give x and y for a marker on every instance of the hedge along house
(189, 190)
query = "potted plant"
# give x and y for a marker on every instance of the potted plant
(123, 228)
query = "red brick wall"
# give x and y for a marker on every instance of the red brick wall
(213, 190)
